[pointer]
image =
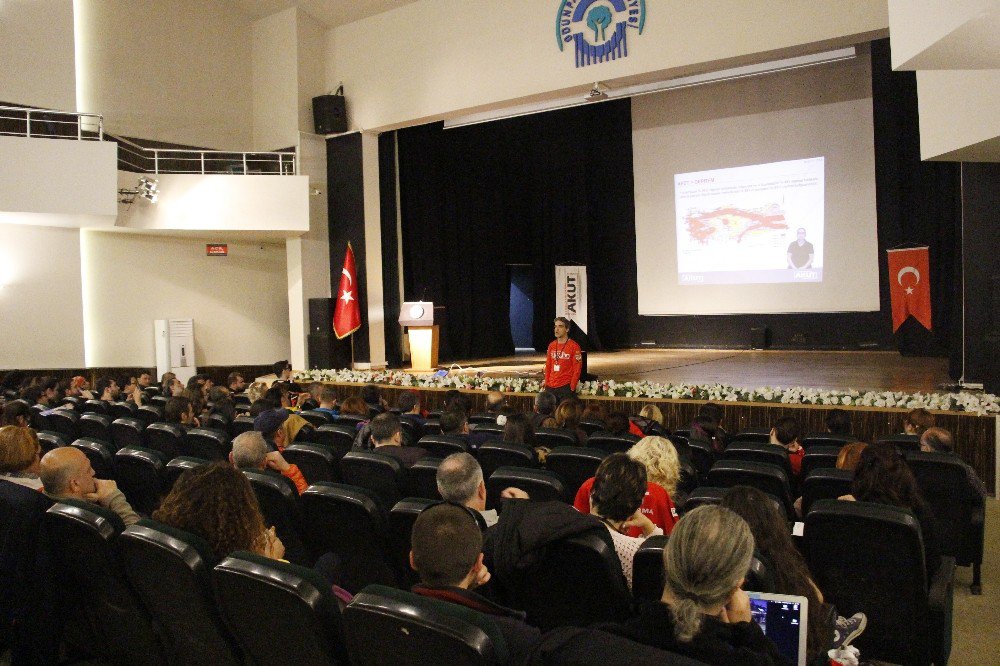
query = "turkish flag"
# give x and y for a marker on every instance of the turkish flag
(910, 286)
(347, 312)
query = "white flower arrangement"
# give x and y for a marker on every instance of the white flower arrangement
(982, 404)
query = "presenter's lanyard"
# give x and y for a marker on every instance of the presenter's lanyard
(556, 366)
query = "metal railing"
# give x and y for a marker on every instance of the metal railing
(51, 124)
(133, 157)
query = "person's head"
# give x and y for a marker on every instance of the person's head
(446, 546)
(20, 450)
(386, 430)
(256, 391)
(46, 392)
(145, 379)
(16, 413)
(917, 421)
(706, 423)
(712, 411)
(704, 562)
(175, 388)
(279, 395)
(354, 406)
(838, 422)
(519, 429)
(882, 476)
(596, 411)
(235, 382)
(545, 403)
(560, 327)
(659, 457)
(268, 423)
(785, 431)
(107, 388)
(66, 472)
(370, 394)
(196, 382)
(218, 394)
(166, 380)
(849, 455)
(568, 413)
(937, 439)
(249, 451)
(77, 385)
(494, 401)
(460, 480)
(408, 403)
(619, 486)
(315, 390)
(216, 502)
(651, 412)
(800, 234)
(178, 410)
(616, 424)
(454, 422)
(327, 397)
(283, 369)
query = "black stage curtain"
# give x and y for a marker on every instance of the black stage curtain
(544, 189)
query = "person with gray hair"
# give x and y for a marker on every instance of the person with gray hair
(250, 451)
(460, 480)
(703, 613)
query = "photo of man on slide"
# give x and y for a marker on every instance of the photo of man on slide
(800, 251)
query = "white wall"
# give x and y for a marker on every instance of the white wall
(932, 33)
(959, 114)
(311, 67)
(238, 303)
(40, 303)
(275, 81)
(171, 70)
(434, 58)
(36, 49)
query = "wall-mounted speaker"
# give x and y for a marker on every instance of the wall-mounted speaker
(330, 114)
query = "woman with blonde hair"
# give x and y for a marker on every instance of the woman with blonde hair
(849, 455)
(703, 613)
(659, 458)
(20, 454)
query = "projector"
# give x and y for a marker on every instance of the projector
(597, 93)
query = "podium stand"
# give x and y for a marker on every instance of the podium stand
(423, 334)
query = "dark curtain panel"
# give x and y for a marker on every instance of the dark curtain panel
(544, 189)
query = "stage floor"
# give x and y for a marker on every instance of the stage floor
(745, 369)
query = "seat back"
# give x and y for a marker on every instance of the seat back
(170, 570)
(611, 443)
(217, 421)
(700, 496)
(422, 478)
(495, 454)
(647, 569)
(767, 478)
(945, 487)
(167, 438)
(348, 522)
(442, 446)
(825, 483)
(702, 457)
(278, 500)
(63, 421)
(819, 456)
(99, 455)
(902, 442)
(574, 464)
(317, 463)
(240, 425)
(576, 646)
(752, 435)
(490, 430)
(388, 626)
(279, 612)
(149, 414)
(377, 472)
(127, 431)
(541, 485)
(176, 467)
(317, 419)
(338, 438)
(411, 431)
(401, 519)
(552, 437)
(432, 426)
(870, 557)
(826, 439)
(590, 427)
(759, 452)
(141, 474)
(92, 580)
(123, 410)
(94, 407)
(350, 420)
(482, 418)
(95, 426)
(206, 443)
(50, 440)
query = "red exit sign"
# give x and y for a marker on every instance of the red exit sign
(217, 250)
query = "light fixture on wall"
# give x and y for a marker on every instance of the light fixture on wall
(147, 188)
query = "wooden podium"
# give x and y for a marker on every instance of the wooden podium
(423, 334)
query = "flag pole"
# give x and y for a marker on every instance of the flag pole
(352, 351)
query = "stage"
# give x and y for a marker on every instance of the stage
(882, 371)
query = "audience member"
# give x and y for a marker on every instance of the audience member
(567, 417)
(617, 424)
(495, 400)
(180, 411)
(650, 421)
(519, 429)
(460, 480)
(250, 451)
(703, 613)
(216, 502)
(222, 403)
(917, 421)
(268, 423)
(373, 398)
(446, 552)
(354, 406)
(328, 401)
(596, 411)
(66, 472)
(256, 391)
(16, 413)
(387, 438)
(705, 430)
(236, 382)
(453, 398)
(838, 422)
(166, 382)
(544, 406)
(20, 456)
(144, 380)
(940, 440)
(280, 395)
(616, 497)
(409, 408)
(849, 455)
(80, 387)
(454, 422)
(310, 398)
(716, 414)
(108, 390)
(785, 434)
(258, 407)
(44, 393)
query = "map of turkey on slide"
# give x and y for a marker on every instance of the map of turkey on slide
(730, 224)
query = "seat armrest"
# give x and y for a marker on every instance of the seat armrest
(942, 585)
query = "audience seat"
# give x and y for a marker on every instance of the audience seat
(550, 438)
(95, 426)
(401, 519)
(826, 439)
(411, 431)
(316, 462)
(176, 467)
(127, 432)
(278, 500)
(62, 421)
(825, 483)
(149, 414)
(170, 570)
(242, 401)
(160, 400)
(376, 472)
(317, 419)
(99, 455)
(218, 422)
(279, 613)
(167, 438)
(422, 478)
(240, 425)
(819, 455)
(590, 427)
(350, 420)
(91, 580)
(758, 452)
(483, 418)
(347, 521)
(432, 426)
(574, 464)
(493, 455)
(141, 475)
(870, 557)
(761, 436)
(122, 410)
(38, 420)
(767, 478)
(50, 440)
(442, 446)
(541, 485)
(701, 495)
(611, 443)
(902, 442)
(958, 508)
(576, 646)
(94, 407)
(339, 438)
(491, 431)
(206, 443)
(703, 457)
(647, 569)
(388, 626)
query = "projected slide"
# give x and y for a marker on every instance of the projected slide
(751, 224)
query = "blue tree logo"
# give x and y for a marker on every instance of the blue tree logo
(598, 29)
(598, 20)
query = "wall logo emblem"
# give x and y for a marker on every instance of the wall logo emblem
(598, 29)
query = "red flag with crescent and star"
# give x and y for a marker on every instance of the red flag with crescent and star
(910, 286)
(347, 312)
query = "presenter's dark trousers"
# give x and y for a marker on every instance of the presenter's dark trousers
(561, 392)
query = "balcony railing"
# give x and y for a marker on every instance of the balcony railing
(50, 124)
(134, 157)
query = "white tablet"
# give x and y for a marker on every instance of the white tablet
(782, 618)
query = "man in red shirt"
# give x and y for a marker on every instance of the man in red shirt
(563, 362)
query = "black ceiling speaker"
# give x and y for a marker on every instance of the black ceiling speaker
(330, 113)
